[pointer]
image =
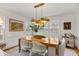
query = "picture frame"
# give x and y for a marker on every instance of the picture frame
(15, 25)
(67, 25)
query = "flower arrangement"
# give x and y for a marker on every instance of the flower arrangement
(36, 28)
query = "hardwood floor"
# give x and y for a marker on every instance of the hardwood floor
(75, 49)
(10, 48)
(15, 52)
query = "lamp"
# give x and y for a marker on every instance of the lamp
(42, 20)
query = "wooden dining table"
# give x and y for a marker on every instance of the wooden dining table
(50, 42)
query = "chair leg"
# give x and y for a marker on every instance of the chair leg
(30, 54)
(45, 53)
(19, 50)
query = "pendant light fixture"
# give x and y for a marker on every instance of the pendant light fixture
(39, 21)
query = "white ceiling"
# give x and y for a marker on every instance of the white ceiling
(27, 9)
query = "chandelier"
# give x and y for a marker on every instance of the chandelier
(40, 21)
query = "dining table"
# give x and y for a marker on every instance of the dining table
(51, 43)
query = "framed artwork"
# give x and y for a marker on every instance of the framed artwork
(67, 25)
(15, 25)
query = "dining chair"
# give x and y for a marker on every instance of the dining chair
(38, 48)
(25, 45)
(61, 47)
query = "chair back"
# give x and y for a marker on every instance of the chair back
(25, 43)
(61, 48)
(40, 47)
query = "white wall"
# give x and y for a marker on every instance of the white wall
(11, 37)
(60, 19)
(77, 27)
(70, 17)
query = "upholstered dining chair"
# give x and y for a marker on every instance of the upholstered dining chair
(25, 45)
(38, 48)
(61, 47)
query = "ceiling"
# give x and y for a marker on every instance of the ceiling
(27, 9)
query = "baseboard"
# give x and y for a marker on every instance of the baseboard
(9, 48)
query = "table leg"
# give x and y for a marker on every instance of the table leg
(19, 45)
(51, 51)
